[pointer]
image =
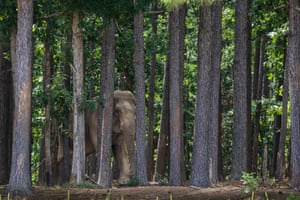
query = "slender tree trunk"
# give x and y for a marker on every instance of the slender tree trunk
(280, 161)
(66, 71)
(106, 116)
(91, 159)
(20, 180)
(216, 55)
(241, 101)
(47, 63)
(150, 151)
(176, 117)
(5, 87)
(276, 138)
(258, 96)
(182, 15)
(293, 64)
(141, 162)
(161, 161)
(78, 163)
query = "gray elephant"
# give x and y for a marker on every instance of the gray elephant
(123, 134)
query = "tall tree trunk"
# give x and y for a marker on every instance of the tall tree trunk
(176, 117)
(293, 64)
(241, 101)
(182, 29)
(5, 87)
(258, 96)
(201, 161)
(66, 71)
(141, 165)
(78, 163)
(150, 163)
(216, 56)
(280, 161)
(20, 180)
(276, 138)
(161, 161)
(107, 83)
(47, 63)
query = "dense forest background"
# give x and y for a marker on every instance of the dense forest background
(211, 80)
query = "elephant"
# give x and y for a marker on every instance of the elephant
(123, 134)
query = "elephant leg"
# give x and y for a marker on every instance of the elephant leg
(115, 165)
(131, 152)
(123, 163)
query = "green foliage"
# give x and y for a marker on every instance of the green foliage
(133, 182)
(250, 182)
(162, 180)
(173, 3)
(292, 196)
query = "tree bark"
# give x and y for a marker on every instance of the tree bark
(78, 163)
(66, 71)
(258, 96)
(106, 116)
(20, 179)
(293, 64)
(216, 56)
(182, 30)
(241, 101)
(201, 161)
(150, 150)
(161, 161)
(47, 63)
(176, 114)
(141, 161)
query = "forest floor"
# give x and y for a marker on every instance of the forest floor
(228, 190)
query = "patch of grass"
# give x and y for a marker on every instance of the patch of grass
(292, 196)
(250, 184)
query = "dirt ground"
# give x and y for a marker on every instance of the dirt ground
(226, 191)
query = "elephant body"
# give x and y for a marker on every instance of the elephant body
(123, 135)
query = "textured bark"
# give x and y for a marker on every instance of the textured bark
(20, 179)
(161, 161)
(241, 101)
(207, 117)
(182, 29)
(47, 129)
(293, 63)
(276, 138)
(258, 96)
(78, 163)
(65, 170)
(141, 161)
(107, 81)
(150, 150)
(176, 117)
(200, 174)
(216, 55)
